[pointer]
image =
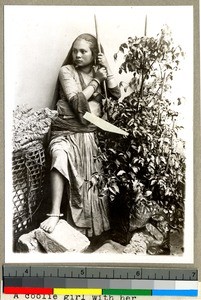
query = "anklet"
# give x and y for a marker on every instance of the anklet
(54, 215)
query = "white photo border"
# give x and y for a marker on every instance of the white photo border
(10, 256)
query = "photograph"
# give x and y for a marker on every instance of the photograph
(98, 108)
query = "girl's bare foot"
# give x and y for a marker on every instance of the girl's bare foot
(49, 224)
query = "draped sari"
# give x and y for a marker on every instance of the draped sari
(74, 152)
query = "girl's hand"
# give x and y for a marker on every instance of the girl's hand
(101, 74)
(102, 60)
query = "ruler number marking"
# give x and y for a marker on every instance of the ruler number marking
(138, 273)
(193, 274)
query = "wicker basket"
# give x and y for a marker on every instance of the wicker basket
(28, 170)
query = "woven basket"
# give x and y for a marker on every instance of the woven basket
(28, 170)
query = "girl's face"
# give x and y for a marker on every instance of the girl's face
(82, 54)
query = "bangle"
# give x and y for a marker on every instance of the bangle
(54, 215)
(109, 77)
(94, 85)
(97, 80)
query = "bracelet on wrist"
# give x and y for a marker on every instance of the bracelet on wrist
(94, 84)
(110, 77)
(96, 80)
(54, 215)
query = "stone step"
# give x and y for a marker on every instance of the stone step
(64, 238)
(28, 243)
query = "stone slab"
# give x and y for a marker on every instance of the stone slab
(110, 247)
(28, 243)
(137, 245)
(64, 238)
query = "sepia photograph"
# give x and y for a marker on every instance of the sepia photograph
(98, 134)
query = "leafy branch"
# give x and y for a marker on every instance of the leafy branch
(147, 168)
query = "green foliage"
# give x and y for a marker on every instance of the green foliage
(148, 166)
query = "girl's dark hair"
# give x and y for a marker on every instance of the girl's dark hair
(93, 45)
(69, 59)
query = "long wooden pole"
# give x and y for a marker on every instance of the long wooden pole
(145, 26)
(97, 34)
(99, 50)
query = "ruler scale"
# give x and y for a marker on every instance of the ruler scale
(99, 281)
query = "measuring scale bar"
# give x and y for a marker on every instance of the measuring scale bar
(99, 273)
(99, 281)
